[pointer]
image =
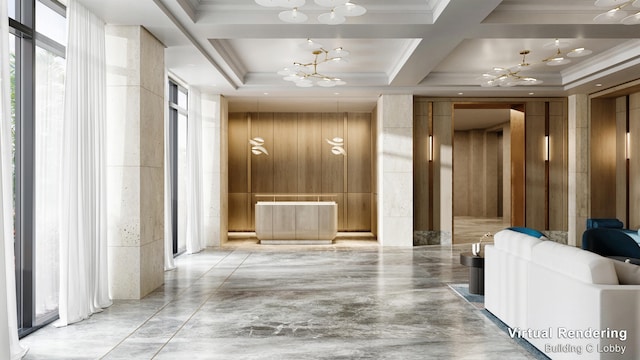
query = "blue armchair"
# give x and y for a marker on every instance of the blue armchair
(606, 237)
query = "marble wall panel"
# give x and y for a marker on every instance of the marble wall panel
(151, 63)
(135, 173)
(151, 267)
(124, 272)
(122, 45)
(123, 206)
(123, 126)
(151, 121)
(151, 204)
(395, 184)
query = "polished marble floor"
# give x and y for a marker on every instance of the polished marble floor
(342, 301)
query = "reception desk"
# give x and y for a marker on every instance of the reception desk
(296, 222)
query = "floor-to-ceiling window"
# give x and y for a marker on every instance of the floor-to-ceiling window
(178, 151)
(37, 72)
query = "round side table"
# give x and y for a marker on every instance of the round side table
(476, 272)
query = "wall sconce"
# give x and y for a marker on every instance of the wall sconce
(257, 146)
(627, 146)
(337, 146)
(546, 148)
(430, 150)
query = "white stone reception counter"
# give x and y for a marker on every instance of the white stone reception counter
(296, 222)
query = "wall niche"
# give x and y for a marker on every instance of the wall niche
(301, 156)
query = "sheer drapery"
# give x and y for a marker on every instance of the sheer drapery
(10, 347)
(48, 146)
(84, 287)
(169, 264)
(195, 224)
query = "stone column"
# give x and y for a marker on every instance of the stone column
(578, 167)
(215, 164)
(135, 172)
(394, 154)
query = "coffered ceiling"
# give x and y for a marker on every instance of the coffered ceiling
(422, 47)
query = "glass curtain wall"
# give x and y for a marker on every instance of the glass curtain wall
(178, 117)
(37, 73)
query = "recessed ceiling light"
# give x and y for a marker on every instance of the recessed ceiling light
(266, 93)
(598, 85)
(336, 93)
(460, 93)
(531, 93)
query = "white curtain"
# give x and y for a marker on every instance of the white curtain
(84, 287)
(169, 264)
(9, 345)
(195, 224)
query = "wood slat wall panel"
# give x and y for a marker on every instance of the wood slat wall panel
(300, 161)
(634, 161)
(239, 212)
(603, 157)
(310, 148)
(535, 165)
(517, 169)
(261, 165)
(358, 146)
(238, 150)
(558, 163)
(359, 214)
(285, 153)
(332, 165)
(421, 165)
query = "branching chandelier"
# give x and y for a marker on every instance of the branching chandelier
(511, 76)
(337, 10)
(620, 11)
(304, 74)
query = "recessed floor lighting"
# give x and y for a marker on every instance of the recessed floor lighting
(460, 93)
(531, 93)
(598, 85)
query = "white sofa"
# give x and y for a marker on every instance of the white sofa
(567, 302)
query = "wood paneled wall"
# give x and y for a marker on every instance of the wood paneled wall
(546, 183)
(422, 181)
(603, 158)
(612, 176)
(300, 161)
(634, 161)
(539, 189)
(476, 173)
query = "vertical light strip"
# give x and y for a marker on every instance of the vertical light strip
(627, 145)
(430, 148)
(546, 148)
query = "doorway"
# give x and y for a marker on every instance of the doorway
(488, 169)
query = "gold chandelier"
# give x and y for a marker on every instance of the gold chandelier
(306, 74)
(512, 76)
(499, 76)
(337, 10)
(620, 12)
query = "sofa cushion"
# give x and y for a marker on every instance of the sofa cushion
(515, 242)
(628, 273)
(604, 223)
(576, 263)
(525, 230)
